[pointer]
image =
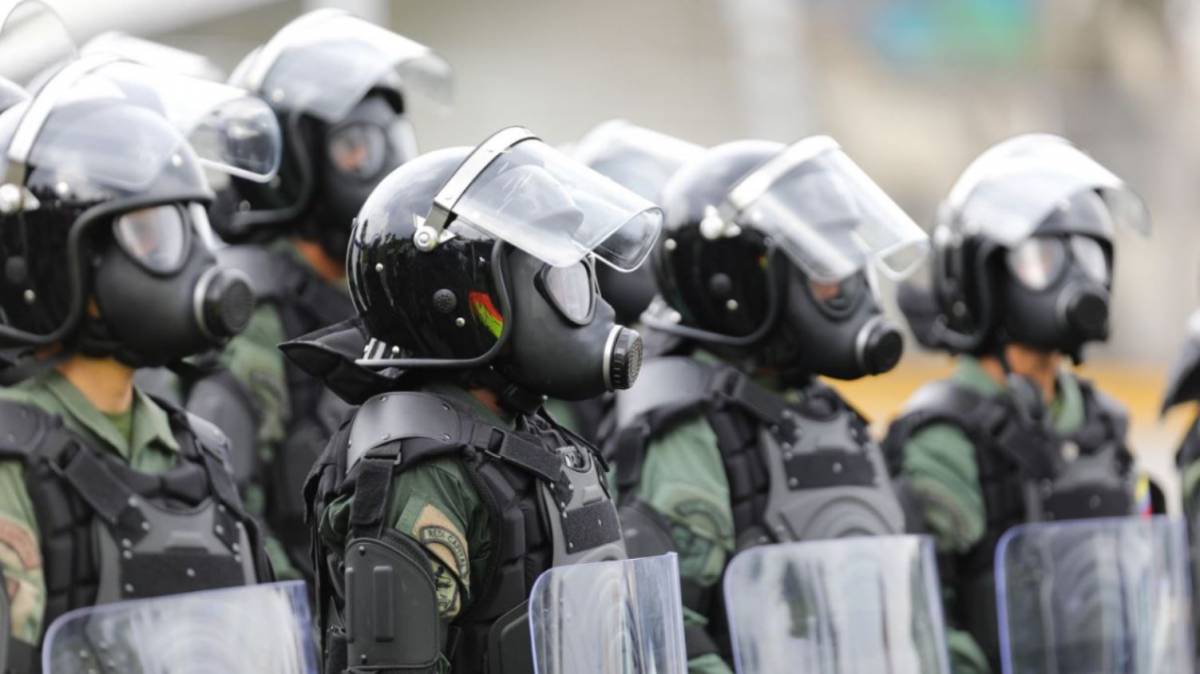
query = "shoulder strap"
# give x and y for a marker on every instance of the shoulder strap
(22, 429)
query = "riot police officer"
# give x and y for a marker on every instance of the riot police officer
(766, 269)
(449, 490)
(1021, 278)
(338, 86)
(641, 160)
(105, 492)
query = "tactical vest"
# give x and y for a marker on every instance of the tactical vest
(305, 303)
(803, 470)
(111, 533)
(548, 505)
(1027, 473)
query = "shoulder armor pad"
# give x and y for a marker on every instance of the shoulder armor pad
(946, 397)
(676, 382)
(21, 428)
(388, 417)
(209, 437)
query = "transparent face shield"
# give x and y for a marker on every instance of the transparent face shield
(818, 207)
(1013, 188)
(74, 125)
(1101, 595)
(325, 61)
(637, 158)
(516, 188)
(35, 39)
(844, 606)
(257, 629)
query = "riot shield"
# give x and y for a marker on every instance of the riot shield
(621, 617)
(256, 629)
(866, 605)
(1102, 596)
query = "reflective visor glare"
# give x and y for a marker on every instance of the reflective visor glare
(570, 289)
(1089, 255)
(358, 149)
(1038, 261)
(155, 237)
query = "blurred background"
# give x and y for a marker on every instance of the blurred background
(913, 89)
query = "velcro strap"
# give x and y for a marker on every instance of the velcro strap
(629, 453)
(516, 451)
(742, 391)
(370, 496)
(591, 526)
(107, 496)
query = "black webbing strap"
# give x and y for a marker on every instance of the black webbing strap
(734, 387)
(515, 450)
(371, 491)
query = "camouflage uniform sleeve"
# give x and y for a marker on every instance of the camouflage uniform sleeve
(683, 479)
(20, 555)
(939, 462)
(437, 505)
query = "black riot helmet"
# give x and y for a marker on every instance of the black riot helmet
(336, 82)
(768, 256)
(483, 261)
(641, 160)
(1023, 252)
(103, 233)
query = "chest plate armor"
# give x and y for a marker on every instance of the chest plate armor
(547, 503)
(110, 533)
(1027, 473)
(802, 470)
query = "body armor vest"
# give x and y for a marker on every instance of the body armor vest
(1027, 473)
(548, 505)
(305, 303)
(109, 532)
(797, 471)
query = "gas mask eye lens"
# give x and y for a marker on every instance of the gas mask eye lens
(570, 290)
(1037, 262)
(155, 237)
(358, 150)
(1090, 256)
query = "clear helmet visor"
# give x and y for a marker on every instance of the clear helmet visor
(825, 213)
(843, 606)
(256, 629)
(1098, 595)
(1011, 190)
(637, 158)
(325, 61)
(231, 130)
(35, 38)
(516, 188)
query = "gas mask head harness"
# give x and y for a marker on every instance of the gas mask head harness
(337, 83)
(641, 160)
(98, 169)
(1024, 250)
(483, 261)
(770, 255)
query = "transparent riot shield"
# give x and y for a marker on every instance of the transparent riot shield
(1106, 596)
(256, 629)
(866, 605)
(622, 617)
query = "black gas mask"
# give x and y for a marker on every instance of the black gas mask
(837, 328)
(159, 290)
(1056, 292)
(355, 154)
(565, 342)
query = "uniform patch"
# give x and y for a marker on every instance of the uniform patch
(440, 536)
(21, 561)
